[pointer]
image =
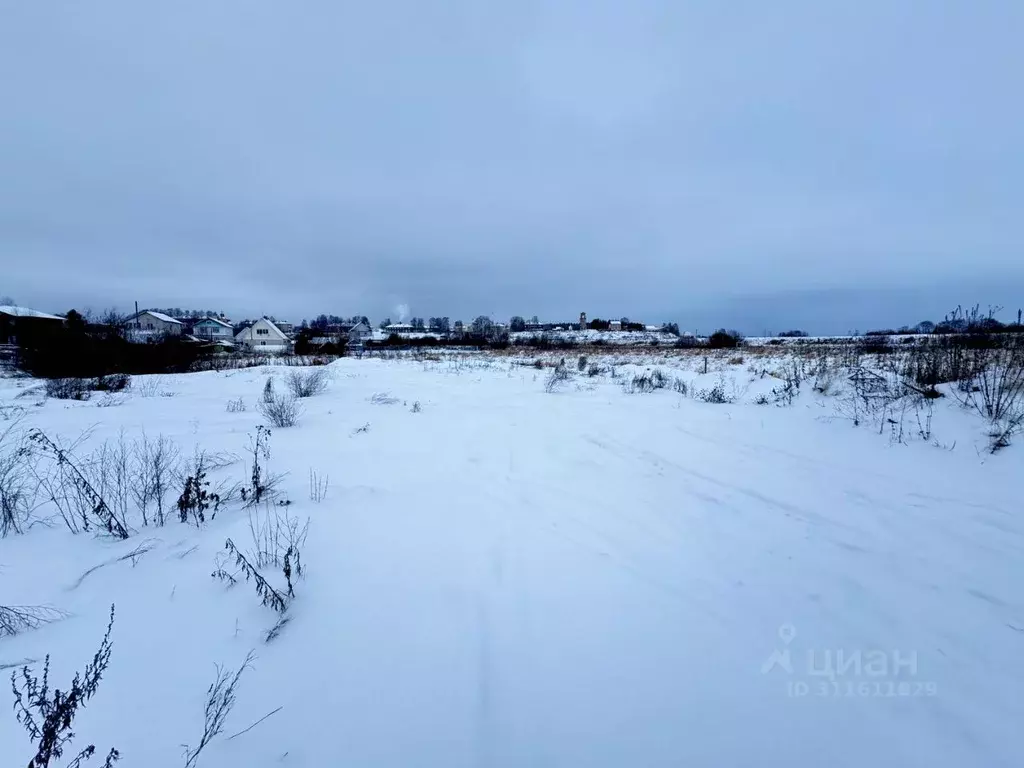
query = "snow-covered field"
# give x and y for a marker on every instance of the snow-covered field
(504, 576)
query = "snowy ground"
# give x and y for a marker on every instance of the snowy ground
(589, 336)
(510, 577)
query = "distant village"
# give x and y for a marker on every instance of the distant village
(218, 333)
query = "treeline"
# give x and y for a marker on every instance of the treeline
(971, 321)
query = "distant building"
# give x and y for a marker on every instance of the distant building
(147, 325)
(22, 322)
(213, 329)
(615, 325)
(285, 327)
(359, 333)
(399, 329)
(263, 336)
(583, 321)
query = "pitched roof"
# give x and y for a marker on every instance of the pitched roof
(270, 322)
(158, 315)
(248, 333)
(216, 320)
(26, 312)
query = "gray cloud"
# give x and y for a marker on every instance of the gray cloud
(662, 160)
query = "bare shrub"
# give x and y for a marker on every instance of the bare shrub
(268, 390)
(278, 538)
(307, 383)
(68, 389)
(236, 406)
(11, 412)
(110, 469)
(15, 619)
(156, 462)
(594, 370)
(77, 500)
(383, 398)
(268, 595)
(581, 364)
(996, 391)
(318, 485)
(220, 700)
(149, 386)
(559, 375)
(924, 408)
(824, 381)
(48, 716)
(273, 633)
(262, 484)
(678, 385)
(281, 410)
(17, 495)
(196, 499)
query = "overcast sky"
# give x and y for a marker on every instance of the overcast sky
(830, 164)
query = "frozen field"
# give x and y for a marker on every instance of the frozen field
(504, 576)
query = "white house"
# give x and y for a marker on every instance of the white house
(213, 329)
(148, 324)
(265, 336)
(359, 333)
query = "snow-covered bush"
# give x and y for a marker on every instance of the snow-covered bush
(113, 382)
(716, 395)
(559, 375)
(646, 382)
(235, 406)
(68, 389)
